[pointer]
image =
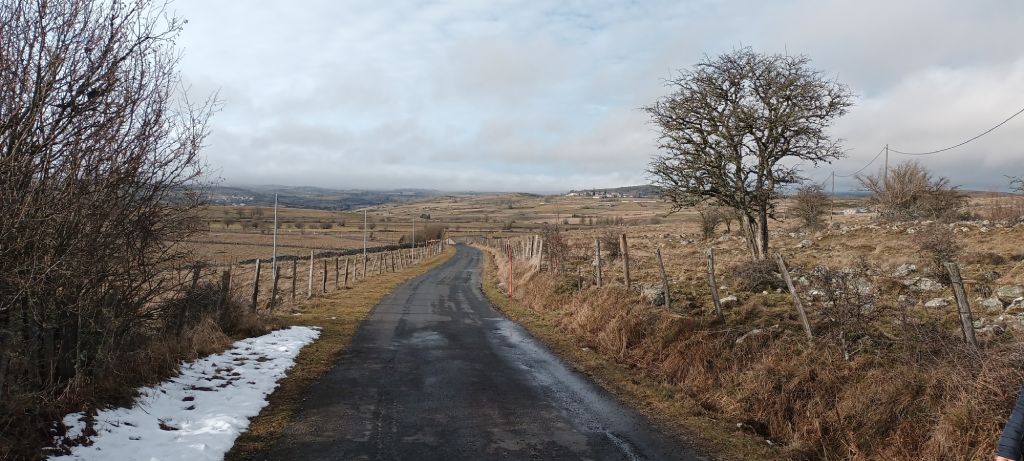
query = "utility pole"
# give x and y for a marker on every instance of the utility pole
(364, 234)
(885, 177)
(414, 232)
(273, 254)
(832, 206)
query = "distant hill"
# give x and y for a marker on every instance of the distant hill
(627, 191)
(312, 197)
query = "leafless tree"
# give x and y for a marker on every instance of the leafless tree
(908, 191)
(99, 159)
(809, 204)
(735, 128)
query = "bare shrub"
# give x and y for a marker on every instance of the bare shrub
(610, 243)
(755, 276)
(910, 192)
(848, 307)
(809, 205)
(710, 218)
(555, 246)
(938, 245)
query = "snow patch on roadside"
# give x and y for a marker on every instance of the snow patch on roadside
(196, 415)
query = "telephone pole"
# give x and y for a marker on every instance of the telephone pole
(885, 177)
(273, 254)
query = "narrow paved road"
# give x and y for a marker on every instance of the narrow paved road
(435, 373)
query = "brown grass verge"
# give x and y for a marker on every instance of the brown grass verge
(659, 401)
(917, 393)
(338, 315)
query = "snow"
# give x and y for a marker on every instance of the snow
(198, 414)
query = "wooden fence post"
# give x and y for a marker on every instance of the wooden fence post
(225, 287)
(796, 298)
(273, 289)
(337, 274)
(255, 286)
(511, 278)
(380, 264)
(295, 276)
(624, 249)
(346, 271)
(664, 280)
(393, 262)
(597, 262)
(540, 253)
(324, 289)
(713, 284)
(309, 294)
(964, 309)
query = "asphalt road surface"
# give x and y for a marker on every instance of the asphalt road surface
(435, 373)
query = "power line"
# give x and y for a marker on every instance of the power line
(965, 142)
(879, 154)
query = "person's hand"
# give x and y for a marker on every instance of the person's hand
(1000, 458)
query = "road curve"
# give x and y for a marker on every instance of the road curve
(435, 373)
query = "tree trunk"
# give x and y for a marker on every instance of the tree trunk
(748, 224)
(762, 234)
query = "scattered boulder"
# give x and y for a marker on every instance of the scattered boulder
(990, 276)
(937, 302)
(1016, 307)
(729, 301)
(805, 243)
(904, 270)
(927, 284)
(756, 332)
(1008, 293)
(653, 294)
(991, 305)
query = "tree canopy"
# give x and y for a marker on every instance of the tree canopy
(736, 128)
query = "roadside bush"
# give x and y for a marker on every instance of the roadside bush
(555, 246)
(756, 276)
(101, 182)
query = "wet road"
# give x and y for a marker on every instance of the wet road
(435, 373)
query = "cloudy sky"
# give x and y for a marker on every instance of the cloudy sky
(543, 96)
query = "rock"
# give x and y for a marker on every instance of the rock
(911, 231)
(991, 305)
(805, 243)
(990, 276)
(729, 301)
(927, 284)
(1016, 307)
(1008, 293)
(724, 238)
(937, 302)
(752, 333)
(904, 270)
(653, 294)
(803, 281)
(864, 286)
(757, 332)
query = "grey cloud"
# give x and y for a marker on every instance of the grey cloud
(508, 95)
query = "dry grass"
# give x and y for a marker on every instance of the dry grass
(920, 395)
(664, 403)
(338, 315)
